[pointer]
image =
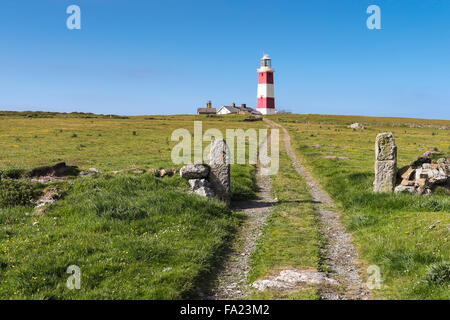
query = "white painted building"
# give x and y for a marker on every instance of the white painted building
(228, 110)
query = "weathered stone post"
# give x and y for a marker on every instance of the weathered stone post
(385, 163)
(219, 173)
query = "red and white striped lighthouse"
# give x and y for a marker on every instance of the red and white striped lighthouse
(265, 98)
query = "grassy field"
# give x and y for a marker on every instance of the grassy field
(391, 231)
(96, 141)
(133, 236)
(137, 236)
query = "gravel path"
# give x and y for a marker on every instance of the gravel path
(231, 280)
(339, 254)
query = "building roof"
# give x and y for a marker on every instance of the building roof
(247, 109)
(206, 110)
(230, 108)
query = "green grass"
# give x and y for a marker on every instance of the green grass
(133, 236)
(122, 231)
(243, 184)
(390, 230)
(97, 141)
(290, 238)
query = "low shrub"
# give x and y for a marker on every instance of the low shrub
(18, 192)
(439, 273)
(12, 173)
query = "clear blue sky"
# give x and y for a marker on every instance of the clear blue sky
(156, 57)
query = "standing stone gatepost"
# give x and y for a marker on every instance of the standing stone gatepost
(385, 163)
(219, 173)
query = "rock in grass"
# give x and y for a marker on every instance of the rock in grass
(406, 172)
(357, 125)
(385, 163)
(401, 188)
(406, 182)
(90, 172)
(219, 174)
(204, 191)
(201, 187)
(198, 183)
(194, 171)
(385, 176)
(385, 148)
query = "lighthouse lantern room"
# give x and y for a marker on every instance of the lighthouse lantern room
(265, 97)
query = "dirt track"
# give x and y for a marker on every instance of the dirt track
(339, 254)
(231, 280)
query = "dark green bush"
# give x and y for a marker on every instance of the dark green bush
(13, 173)
(17, 192)
(439, 273)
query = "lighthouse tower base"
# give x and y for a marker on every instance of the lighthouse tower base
(267, 111)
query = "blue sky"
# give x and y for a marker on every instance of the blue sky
(157, 57)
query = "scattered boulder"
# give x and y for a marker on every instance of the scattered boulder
(162, 173)
(49, 196)
(204, 192)
(357, 126)
(385, 162)
(291, 279)
(132, 170)
(406, 172)
(201, 187)
(401, 188)
(90, 172)
(424, 175)
(198, 183)
(316, 146)
(212, 180)
(194, 171)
